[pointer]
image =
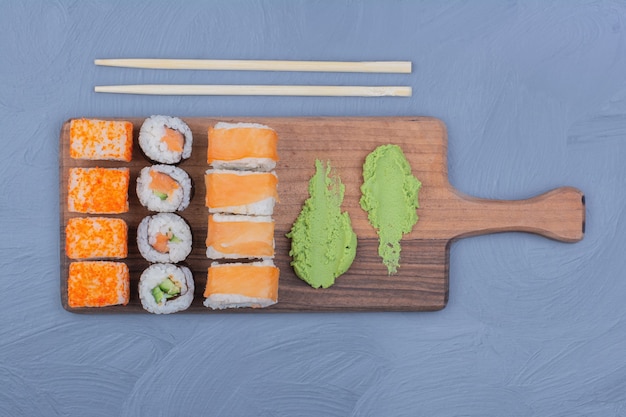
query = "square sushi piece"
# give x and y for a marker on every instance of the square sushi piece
(248, 146)
(96, 238)
(98, 284)
(234, 285)
(241, 192)
(101, 139)
(232, 236)
(98, 190)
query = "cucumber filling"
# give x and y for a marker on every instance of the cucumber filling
(161, 195)
(166, 290)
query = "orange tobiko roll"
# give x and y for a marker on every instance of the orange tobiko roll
(98, 284)
(98, 190)
(101, 139)
(96, 238)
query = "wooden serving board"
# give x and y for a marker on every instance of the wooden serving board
(444, 214)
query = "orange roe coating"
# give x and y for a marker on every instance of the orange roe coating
(231, 189)
(98, 190)
(101, 139)
(237, 143)
(98, 284)
(96, 237)
(243, 279)
(253, 239)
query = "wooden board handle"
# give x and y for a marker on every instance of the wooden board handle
(558, 214)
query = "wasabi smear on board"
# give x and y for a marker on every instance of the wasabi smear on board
(323, 244)
(389, 196)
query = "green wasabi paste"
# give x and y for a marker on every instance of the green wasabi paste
(389, 196)
(323, 244)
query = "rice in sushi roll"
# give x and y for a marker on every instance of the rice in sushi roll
(164, 237)
(165, 139)
(166, 288)
(164, 188)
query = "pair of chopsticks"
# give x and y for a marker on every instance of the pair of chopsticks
(403, 67)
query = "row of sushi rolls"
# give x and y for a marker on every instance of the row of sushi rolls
(241, 191)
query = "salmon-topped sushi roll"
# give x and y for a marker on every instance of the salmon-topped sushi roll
(165, 139)
(241, 192)
(234, 285)
(247, 146)
(98, 284)
(98, 190)
(164, 188)
(96, 238)
(101, 139)
(236, 236)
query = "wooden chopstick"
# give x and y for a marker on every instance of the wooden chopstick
(261, 65)
(257, 90)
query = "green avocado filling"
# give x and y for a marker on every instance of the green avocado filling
(389, 196)
(161, 195)
(323, 244)
(174, 238)
(166, 289)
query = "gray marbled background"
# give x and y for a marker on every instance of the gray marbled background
(534, 97)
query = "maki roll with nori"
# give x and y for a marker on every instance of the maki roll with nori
(164, 237)
(164, 188)
(166, 288)
(165, 139)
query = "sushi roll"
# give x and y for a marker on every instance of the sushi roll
(236, 236)
(247, 146)
(166, 288)
(164, 237)
(96, 238)
(98, 190)
(234, 285)
(98, 284)
(164, 188)
(241, 192)
(94, 139)
(165, 139)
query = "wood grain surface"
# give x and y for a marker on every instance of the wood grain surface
(444, 214)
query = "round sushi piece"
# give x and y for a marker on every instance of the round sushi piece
(165, 139)
(164, 237)
(164, 188)
(166, 288)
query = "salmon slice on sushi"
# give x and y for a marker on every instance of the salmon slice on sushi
(238, 236)
(236, 285)
(244, 146)
(94, 139)
(241, 192)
